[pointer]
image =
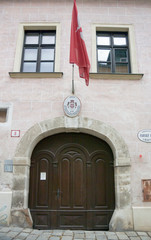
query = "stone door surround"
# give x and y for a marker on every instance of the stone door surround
(122, 217)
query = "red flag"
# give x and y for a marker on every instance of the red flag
(78, 52)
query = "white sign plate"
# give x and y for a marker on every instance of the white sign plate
(145, 135)
(15, 133)
(72, 106)
(43, 176)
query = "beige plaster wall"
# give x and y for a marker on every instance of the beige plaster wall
(142, 218)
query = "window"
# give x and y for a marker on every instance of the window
(38, 51)
(3, 115)
(112, 52)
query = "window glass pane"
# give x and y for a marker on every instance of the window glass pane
(121, 55)
(29, 67)
(119, 41)
(46, 67)
(48, 39)
(104, 67)
(121, 68)
(104, 55)
(47, 54)
(30, 54)
(31, 39)
(103, 40)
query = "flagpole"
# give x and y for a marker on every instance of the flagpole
(73, 78)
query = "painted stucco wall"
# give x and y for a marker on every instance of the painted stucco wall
(123, 104)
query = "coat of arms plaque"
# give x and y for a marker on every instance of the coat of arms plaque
(72, 106)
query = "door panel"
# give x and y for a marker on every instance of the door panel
(99, 175)
(72, 183)
(41, 220)
(72, 187)
(40, 195)
(42, 183)
(78, 184)
(64, 184)
(100, 220)
(76, 220)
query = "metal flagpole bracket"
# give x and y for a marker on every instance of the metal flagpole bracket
(72, 78)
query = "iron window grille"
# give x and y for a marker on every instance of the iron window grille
(112, 52)
(38, 51)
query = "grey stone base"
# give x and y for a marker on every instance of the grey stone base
(122, 220)
(21, 218)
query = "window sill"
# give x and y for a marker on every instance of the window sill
(35, 75)
(116, 76)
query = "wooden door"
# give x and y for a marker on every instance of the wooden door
(72, 186)
(71, 183)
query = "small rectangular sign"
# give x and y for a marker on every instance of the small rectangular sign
(8, 165)
(15, 133)
(43, 176)
(146, 185)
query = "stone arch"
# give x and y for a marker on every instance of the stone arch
(122, 217)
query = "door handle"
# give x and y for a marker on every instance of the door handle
(58, 193)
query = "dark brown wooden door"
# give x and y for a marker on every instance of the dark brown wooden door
(71, 183)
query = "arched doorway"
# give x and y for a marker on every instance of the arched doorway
(72, 183)
(122, 218)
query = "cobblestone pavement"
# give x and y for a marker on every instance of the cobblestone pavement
(8, 233)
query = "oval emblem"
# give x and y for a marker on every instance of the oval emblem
(145, 135)
(72, 106)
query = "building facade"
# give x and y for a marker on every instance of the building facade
(90, 170)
